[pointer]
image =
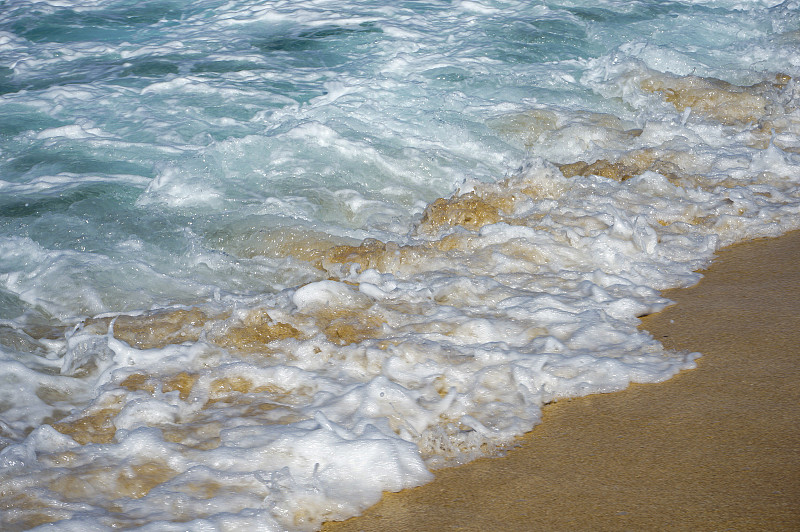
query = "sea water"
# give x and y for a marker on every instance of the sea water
(261, 261)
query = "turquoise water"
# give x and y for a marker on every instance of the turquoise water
(187, 340)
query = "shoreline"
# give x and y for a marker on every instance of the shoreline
(713, 448)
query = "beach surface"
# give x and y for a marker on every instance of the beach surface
(715, 448)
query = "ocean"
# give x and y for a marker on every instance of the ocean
(261, 261)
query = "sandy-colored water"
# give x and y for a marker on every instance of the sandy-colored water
(715, 448)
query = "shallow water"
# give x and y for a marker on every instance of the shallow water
(260, 262)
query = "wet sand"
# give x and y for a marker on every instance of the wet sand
(715, 448)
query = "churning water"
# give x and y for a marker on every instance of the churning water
(262, 260)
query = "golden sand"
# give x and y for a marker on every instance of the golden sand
(715, 448)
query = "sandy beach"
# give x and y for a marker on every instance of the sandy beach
(715, 448)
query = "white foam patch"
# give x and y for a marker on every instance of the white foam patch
(65, 181)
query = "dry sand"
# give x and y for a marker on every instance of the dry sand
(715, 448)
